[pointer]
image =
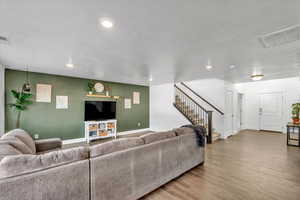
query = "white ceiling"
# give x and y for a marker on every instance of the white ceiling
(170, 40)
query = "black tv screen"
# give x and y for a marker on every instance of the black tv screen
(99, 110)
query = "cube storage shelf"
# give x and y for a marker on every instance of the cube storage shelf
(100, 129)
(293, 134)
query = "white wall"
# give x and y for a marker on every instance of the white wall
(211, 89)
(2, 107)
(163, 115)
(290, 88)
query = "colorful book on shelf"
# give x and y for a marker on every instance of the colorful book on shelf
(93, 133)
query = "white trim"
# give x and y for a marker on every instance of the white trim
(133, 131)
(78, 140)
(72, 141)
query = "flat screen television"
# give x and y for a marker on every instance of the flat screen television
(99, 110)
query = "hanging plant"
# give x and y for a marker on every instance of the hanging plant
(21, 103)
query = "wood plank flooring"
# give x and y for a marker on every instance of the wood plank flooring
(250, 165)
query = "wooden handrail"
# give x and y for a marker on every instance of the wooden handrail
(190, 98)
(214, 107)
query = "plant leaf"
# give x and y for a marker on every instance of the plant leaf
(15, 94)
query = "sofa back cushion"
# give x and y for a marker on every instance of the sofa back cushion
(23, 136)
(115, 145)
(156, 136)
(7, 150)
(183, 131)
(20, 164)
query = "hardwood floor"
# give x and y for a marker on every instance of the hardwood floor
(250, 165)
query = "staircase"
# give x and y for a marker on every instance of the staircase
(195, 113)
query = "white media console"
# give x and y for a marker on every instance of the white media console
(100, 129)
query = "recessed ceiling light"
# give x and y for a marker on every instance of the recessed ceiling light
(150, 79)
(106, 23)
(70, 64)
(208, 67)
(232, 66)
(257, 77)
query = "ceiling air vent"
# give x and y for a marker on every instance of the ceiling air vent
(281, 37)
(3, 40)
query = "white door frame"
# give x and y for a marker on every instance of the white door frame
(231, 118)
(282, 107)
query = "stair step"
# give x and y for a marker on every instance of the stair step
(216, 136)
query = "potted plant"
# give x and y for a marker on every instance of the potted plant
(91, 87)
(295, 113)
(21, 103)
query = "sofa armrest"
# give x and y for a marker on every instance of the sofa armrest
(48, 144)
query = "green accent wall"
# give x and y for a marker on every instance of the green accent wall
(47, 121)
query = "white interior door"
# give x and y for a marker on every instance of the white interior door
(270, 111)
(229, 113)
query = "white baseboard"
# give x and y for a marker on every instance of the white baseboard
(133, 131)
(78, 140)
(72, 141)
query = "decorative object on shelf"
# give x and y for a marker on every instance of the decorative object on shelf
(127, 103)
(99, 87)
(295, 113)
(62, 102)
(136, 98)
(43, 93)
(107, 90)
(90, 87)
(21, 103)
(26, 86)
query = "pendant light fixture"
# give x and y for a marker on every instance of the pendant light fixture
(26, 86)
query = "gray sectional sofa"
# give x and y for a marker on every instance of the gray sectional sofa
(122, 169)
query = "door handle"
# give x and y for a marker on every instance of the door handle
(260, 111)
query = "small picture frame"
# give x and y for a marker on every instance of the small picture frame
(43, 93)
(136, 98)
(62, 102)
(127, 103)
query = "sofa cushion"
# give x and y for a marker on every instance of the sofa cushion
(18, 144)
(156, 136)
(20, 164)
(7, 150)
(115, 145)
(183, 131)
(23, 136)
